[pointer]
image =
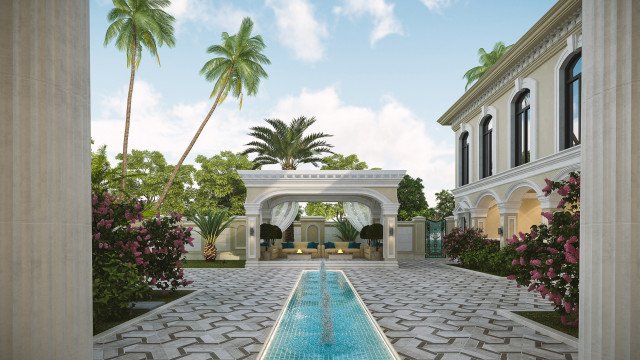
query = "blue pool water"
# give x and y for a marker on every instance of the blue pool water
(325, 320)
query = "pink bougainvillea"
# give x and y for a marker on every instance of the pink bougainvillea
(546, 259)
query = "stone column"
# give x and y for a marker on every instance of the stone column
(419, 236)
(610, 224)
(508, 219)
(389, 219)
(253, 234)
(478, 218)
(45, 202)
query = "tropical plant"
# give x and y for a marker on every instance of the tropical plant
(287, 145)
(135, 24)
(236, 69)
(486, 59)
(346, 231)
(547, 258)
(210, 225)
(341, 162)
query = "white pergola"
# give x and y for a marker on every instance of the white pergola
(376, 189)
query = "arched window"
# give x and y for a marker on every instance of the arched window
(464, 158)
(570, 130)
(486, 146)
(522, 139)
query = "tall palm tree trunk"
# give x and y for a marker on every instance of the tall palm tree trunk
(172, 178)
(127, 121)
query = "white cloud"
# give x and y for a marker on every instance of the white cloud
(437, 5)
(298, 28)
(391, 137)
(384, 19)
(202, 12)
(168, 128)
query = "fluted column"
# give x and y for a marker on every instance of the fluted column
(45, 214)
(610, 189)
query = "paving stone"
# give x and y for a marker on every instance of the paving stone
(427, 309)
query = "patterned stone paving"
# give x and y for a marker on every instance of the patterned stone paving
(429, 310)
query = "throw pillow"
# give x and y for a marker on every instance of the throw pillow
(329, 245)
(287, 245)
(312, 245)
(354, 245)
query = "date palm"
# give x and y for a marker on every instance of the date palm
(137, 24)
(486, 59)
(287, 145)
(210, 225)
(236, 69)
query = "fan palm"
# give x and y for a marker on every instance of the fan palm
(287, 145)
(136, 24)
(486, 59)
(210, 225)
(236, 69)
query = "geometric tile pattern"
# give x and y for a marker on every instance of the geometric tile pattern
(427, 309)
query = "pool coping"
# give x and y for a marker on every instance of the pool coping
(370, 317)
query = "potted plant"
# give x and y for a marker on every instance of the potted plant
(269, 233)
(346, 231)
(210, 225)
(373, 235)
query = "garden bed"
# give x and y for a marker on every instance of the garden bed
(550, 319)
(494, 273)
(217, 264)
(100, 326)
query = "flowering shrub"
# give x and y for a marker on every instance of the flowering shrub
(546, 259)
(129, 254)
(460, 241)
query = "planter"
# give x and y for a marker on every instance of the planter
(376, 255)
(265, 255)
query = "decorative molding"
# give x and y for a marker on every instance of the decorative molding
(377, 178)
(560, 160)
(517, 60)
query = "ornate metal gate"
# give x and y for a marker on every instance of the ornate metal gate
(435, 231)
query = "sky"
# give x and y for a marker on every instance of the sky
(376, 74)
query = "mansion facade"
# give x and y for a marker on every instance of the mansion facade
(518, 125)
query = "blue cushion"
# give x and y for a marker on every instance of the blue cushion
(287, 245)
(329, 245)
(354, 245)
(312, 245)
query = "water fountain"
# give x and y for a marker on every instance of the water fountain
(327, 337)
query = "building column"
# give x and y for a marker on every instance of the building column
(389, 229)
(419, 236)
(610, 203)
(478, 218)
(508, 220)
(45, 196)
(548, 204)
(253, 234)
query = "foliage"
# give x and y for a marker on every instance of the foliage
(460, 241)
(219, 184)
(270, 233)
(122, 242)
(487, 60)
(287, 145)
(346, 231)
(412, 200)
(236, 69)
(328, 210)
(341, 162)
(235, 264)
(373, 234)
(211, 224)
(547, 258)
(487, 258)
(103, 176)
(445, 204)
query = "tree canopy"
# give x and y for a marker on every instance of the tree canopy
(412, 200)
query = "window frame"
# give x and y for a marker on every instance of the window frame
(567, 96)
(464, 158)
(486, 146)
(518, 148)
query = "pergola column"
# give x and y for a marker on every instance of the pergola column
(389, 230)
(508, 219)
(610, 185)
(253, 232)
(45, 200)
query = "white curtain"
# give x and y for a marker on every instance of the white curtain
(359, 215)
(284, 214)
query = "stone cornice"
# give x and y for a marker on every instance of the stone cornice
(556, 161)
(548, 32)
(370, 178)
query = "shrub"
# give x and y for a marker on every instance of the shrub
(546, 259)
(487, 258)
(115, 285)
(460, 241)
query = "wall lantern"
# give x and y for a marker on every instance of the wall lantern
(390, 230)
(252, 231)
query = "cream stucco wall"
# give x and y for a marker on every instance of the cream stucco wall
(529, 214)
(492, 223)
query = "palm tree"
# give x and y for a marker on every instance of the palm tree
(346, 231)
(287, 145)
(236, 68)
(136, 24)
(486, 59)
(210, 226)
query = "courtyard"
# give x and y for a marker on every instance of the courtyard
(427, 309)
